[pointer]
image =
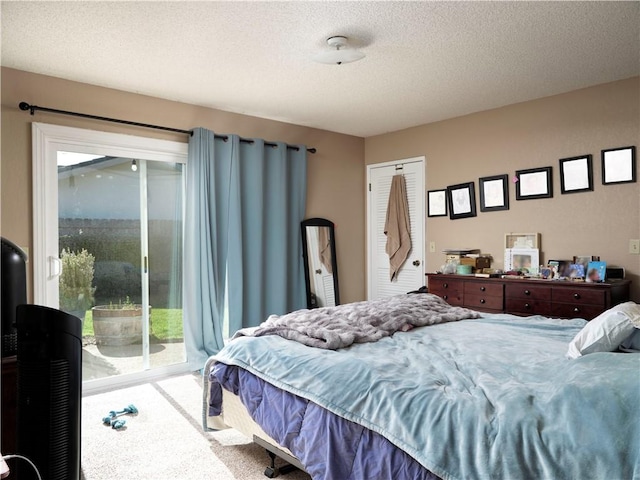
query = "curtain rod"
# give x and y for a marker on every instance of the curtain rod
(24, 106)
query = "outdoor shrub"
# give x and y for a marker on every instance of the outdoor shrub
(76, 281)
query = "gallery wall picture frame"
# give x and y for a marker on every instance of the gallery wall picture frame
(494, 193)
(462, 200)
(534, 183)
(618, 165)
(576, 174)
(437, 203)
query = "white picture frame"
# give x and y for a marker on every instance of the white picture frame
(525, 260)
(522, 240)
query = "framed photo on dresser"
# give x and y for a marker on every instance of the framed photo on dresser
(596, 272)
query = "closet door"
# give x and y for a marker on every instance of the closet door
(411, 274)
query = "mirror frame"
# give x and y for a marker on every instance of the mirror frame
(319, 222)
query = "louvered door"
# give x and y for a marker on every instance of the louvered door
(411, 275)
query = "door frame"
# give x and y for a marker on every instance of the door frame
(420, 159)
(47, 140)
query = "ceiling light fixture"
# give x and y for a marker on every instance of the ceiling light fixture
(134, 166)
(340, 52)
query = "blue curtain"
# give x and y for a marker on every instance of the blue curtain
(266, 274)
(209, 165)
(245, 202)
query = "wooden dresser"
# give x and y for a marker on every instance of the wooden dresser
(551, 298)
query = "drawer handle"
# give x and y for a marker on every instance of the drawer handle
(445, 285)
(482, 300)
(527, 292)
(576, 310)
(576, 296)
(445, 297)
(527, 306)
(482, 289)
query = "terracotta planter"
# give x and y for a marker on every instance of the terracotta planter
(117, 327)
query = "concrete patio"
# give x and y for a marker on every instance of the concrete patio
(100, 361)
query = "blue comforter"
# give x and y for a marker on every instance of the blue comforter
(492, 398)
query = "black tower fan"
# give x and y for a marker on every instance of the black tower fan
(14, 292)
(49, 392)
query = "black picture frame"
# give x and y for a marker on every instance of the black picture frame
(462, 200)
(494, 193)
(618, 165)
(576, 174)
(437, 203)
(534, 183)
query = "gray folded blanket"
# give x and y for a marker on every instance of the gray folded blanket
(360, 322)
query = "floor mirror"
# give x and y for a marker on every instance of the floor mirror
(320, 265)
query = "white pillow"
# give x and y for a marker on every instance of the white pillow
(632, 343)
(607, 331)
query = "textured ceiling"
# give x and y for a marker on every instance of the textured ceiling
(425, 61)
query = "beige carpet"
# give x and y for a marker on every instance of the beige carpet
(165, 439)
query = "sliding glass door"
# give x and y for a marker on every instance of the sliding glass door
(115, 258)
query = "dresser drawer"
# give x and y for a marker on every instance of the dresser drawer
(485, 289)
(528, 306)
(575, 310)
(579, 296)
(452, 297)
(449, 290)
(528, 292)
(483, 302)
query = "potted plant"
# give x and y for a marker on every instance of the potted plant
(76, 279)
(118, 324)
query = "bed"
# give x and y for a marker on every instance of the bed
(483, 396)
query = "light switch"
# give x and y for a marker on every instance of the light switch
(432, 247)
(634, 246)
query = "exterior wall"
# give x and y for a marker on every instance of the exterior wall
(335, 173)
(527, 135)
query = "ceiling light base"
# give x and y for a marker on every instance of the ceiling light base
(340, 52)
(337, 42)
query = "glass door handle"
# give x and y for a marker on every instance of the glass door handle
(55, 267)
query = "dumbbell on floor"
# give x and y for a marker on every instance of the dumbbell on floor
(112, 420)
